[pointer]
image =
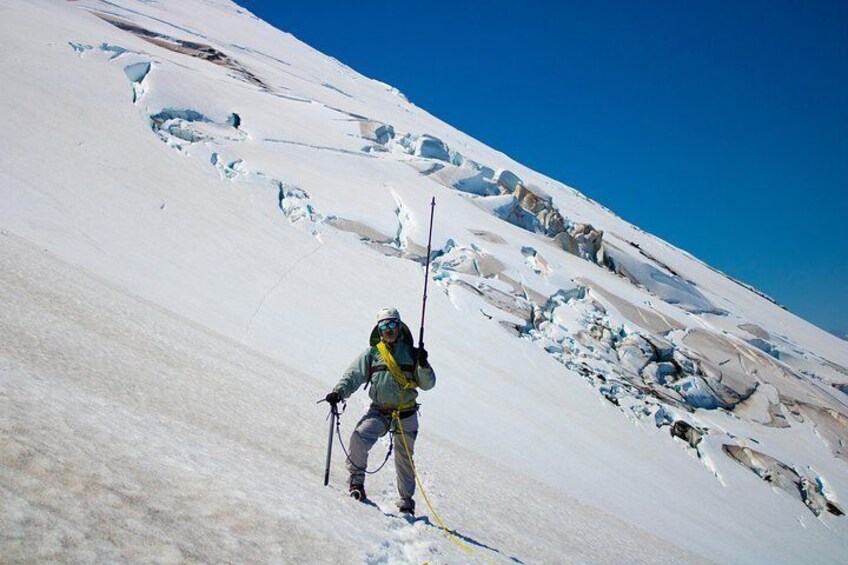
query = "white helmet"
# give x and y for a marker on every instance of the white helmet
(388, 313)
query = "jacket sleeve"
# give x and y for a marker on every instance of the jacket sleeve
(426, 377)
(355, 375)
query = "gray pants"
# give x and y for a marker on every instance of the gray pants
(372, 427)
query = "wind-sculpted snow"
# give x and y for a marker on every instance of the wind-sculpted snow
(577, 355)
(666, 286)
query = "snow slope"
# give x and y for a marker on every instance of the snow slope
(201, 216)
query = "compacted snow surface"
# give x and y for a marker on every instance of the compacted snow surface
(200, 218)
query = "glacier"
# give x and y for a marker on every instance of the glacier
(201, 216)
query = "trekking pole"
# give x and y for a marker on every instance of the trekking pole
(333, 415)
(426, 274)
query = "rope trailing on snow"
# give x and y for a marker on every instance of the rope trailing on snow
(439, 522)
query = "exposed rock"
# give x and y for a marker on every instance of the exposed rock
(583, 240)
(507, 208)
(191, 48)
(532, 199)
(687, 433)
(552, 221)
(588, 241)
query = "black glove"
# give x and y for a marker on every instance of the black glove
(334, 397)
(421, 357)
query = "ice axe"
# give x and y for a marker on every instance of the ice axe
(334, 413)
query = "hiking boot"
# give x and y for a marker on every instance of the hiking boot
(407, 507)
(357, 492)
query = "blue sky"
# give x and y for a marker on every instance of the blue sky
(721, 127)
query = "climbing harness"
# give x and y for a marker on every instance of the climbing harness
(335, 412)
(406, 384)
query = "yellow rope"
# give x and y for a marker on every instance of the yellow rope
(394, 368)
(406, 384)
(465, 547)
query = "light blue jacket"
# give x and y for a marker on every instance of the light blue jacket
(384, 390)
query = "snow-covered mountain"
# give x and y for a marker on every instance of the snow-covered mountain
(201, 216)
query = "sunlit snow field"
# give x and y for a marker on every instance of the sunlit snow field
(200, 218)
